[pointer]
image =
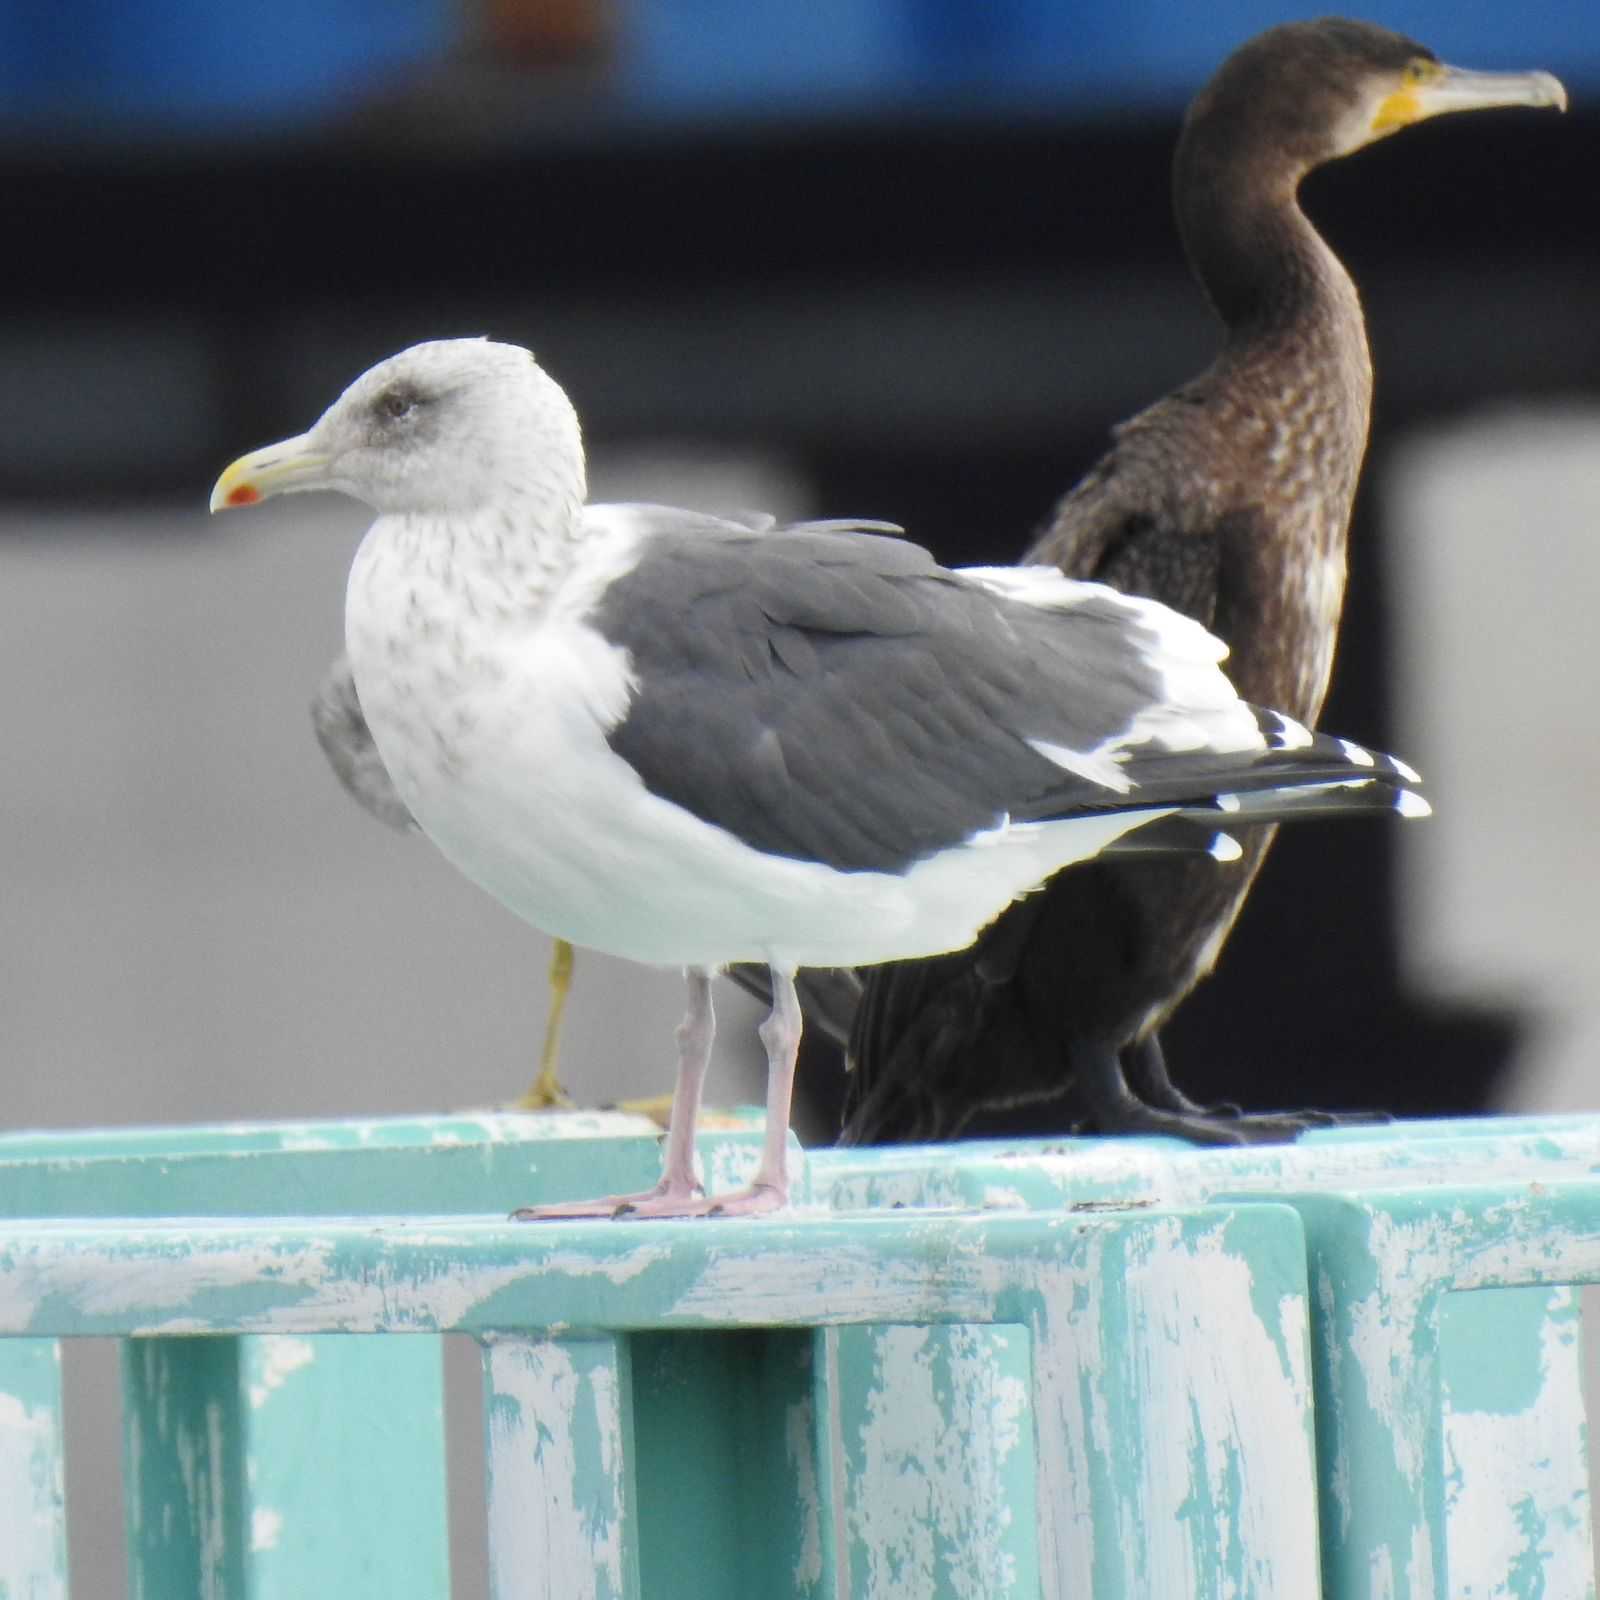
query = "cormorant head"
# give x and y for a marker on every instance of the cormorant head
(1308, 92)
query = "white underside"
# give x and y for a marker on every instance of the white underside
(496, 741)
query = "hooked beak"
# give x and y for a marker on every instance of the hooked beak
(287, 468)
(1456, 89)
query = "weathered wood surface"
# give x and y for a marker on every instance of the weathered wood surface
(1502, 1509)
(1116, 1308)
(985, 1392)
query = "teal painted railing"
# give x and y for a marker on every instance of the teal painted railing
(1090, 1369)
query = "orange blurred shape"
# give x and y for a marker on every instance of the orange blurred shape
(549, 30)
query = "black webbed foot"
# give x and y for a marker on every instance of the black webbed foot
(1139, 1098)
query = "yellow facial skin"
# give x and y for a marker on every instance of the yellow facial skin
(1430, 89)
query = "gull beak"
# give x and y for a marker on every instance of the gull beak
(286, 468)
(1455, 89)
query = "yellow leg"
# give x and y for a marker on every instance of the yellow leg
(547, 1093)
(658, 1107)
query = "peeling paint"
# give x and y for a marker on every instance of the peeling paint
(265, 1527)
(556, 1489)
(32, 1553)
(1243, 1489)
(1122, 1334)
(1518, 1531)
(800, 1451)
(931, 1514)
(281, 1356)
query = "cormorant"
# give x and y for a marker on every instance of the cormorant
(1228, 500)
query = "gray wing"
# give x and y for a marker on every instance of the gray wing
(336, 714)
(348, 744)
(837, 697)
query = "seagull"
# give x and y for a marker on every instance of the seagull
(685, 743)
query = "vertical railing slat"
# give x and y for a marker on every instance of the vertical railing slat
(1173, 1412)
(33, 1520)
(939, 1471)
(1515, 1462)
(269, 1467)
(558, 1415)
(732, 1475)
(183, 1457)
(345, 1472)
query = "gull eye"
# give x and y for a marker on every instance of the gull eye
(1419, 71)
(393, 405)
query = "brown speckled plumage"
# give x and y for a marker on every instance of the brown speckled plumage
(1230, 500)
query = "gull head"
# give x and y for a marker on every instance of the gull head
(447, 428)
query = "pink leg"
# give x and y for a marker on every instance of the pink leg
(780, 1033)
(678, 1194)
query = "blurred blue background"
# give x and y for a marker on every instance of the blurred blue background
(260, 64)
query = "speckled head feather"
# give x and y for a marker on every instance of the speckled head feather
(449, 427)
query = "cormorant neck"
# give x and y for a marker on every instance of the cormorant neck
(1262, 265)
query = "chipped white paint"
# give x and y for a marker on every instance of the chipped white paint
(731, 1165)
(929, 1514)
(1338, 1482)
(201, 1465)
(281, 1356)
(1069, 1364)
(1413, 1256)
(799, 1448)
(1174, 1453)
(327, 1302)
(1381, 1579)
(307, 1142)
(942, 1267)
(31, 1505)
(1522, 1516)
(516, 1127)
(1233, 1486)
(786, 1287)
(547, 1536)
(266, 1525)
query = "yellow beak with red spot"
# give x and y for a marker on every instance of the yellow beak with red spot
(291, 467)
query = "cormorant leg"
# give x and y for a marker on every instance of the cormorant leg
(678, 1194)
(546, 1093)
(780, 1033)
(1145, 1072)
(1115, 1108)
(1147, 1077)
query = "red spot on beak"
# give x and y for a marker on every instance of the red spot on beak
(245, 495)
